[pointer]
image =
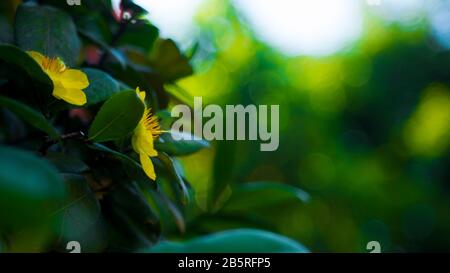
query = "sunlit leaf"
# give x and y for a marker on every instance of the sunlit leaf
(168, 61)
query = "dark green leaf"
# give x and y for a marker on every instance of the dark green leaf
(15, 56)
(133, 168)
(170, 167)
(223, 174)
(81, 217)
(117, 118)
(134, 223)
(120, 156)
(233, 241)
(101, 86)
(29, 115)
(141, 34)
(47, 30)
(188, 145)
(67, 163)
(30, 188)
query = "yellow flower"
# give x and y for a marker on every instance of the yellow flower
(68, 84)
(142, 141)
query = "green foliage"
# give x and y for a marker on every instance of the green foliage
(187, 145)
(114, 121)
(101, 86)
(47, 30)
(70, 173)
(30, 189)
(257, 195)
(14, 56)
(233, 241)
(81, 217)
(168, 61)
(29, 115)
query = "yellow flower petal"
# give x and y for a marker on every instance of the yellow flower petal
(141, 94)
(71, 95)
(147, 165)
(142, 141)
(73, 78)
(38, 57)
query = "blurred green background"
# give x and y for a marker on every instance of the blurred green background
(363, 89)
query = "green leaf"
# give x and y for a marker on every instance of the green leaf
(122, 157)
(173, 172)
(168, 61)
(30, 115)
(141, 34)
(253, 195)
(66, 163)
(223, 176)
(187, 145)
(132, 167)
(81, 217)
(135, 223)
(101, 86)
(30, 189)
(117, 118)
(15, 56)
(171, 215)
(233, 241)
(47, 30)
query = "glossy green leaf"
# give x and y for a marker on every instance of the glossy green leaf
(117, 118)
(233, 241)
(30, 188)
(47, 30)
(188, 145)
(31, 116)
(101, 86)
(248, 196)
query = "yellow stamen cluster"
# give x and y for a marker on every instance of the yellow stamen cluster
(53, 64)
(151, 124)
